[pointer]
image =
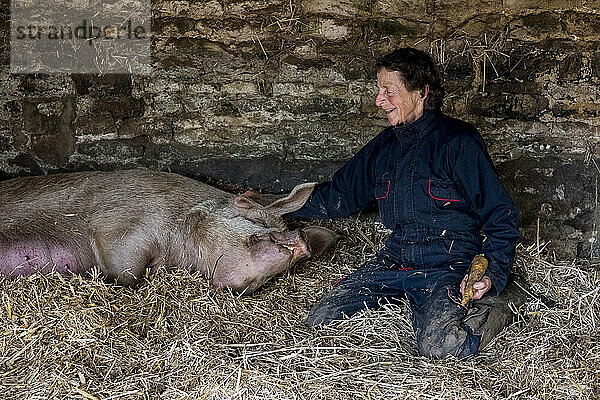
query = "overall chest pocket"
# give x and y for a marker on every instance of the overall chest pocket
(444, 200)
(443, 191)
(383, 191)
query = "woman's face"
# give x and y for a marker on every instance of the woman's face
(400, 105)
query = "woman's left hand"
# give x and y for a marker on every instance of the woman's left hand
(481, 287)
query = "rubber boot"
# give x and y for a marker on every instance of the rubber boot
(491, 314)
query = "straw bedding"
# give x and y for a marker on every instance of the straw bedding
(172, 337)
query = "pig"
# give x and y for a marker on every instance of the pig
(125, 223)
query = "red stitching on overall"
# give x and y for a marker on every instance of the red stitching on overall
(388, 192)
(436, 198)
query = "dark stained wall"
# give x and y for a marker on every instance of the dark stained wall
(267, 93)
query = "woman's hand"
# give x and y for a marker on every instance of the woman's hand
(481, 287)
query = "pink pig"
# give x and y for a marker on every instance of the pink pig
(125, 222)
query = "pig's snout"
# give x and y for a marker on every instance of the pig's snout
(302, 249)
(293, 241)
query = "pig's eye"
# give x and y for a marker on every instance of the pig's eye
(253, 239)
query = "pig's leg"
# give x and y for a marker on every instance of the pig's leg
(122, 258)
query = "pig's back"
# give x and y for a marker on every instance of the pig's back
(92, 192)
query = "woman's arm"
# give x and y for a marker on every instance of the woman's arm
(350, 189)
(474, 172)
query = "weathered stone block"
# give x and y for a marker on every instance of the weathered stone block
(244, 8)
(410, 9)
(595, 65)
(292, 107)
(157, 127)
(26, 164)
(196, 9)
(458, 69)
(102, 85)
(570, 67)
(395, 28)
(511, 139)
(306, 63)
(582, 91)
(54, 149)
(456, 12)
(518, 5)
(332, 30)
(47, 116)
(171, 8)
(197, 103)
(535, 27)
(593, 5)
(34, 85)
(197, 97)
(175, 27)
(229, 31)
(317, 76)
(51, 108)
(572, 137)
(120, 108)
(292, 89)
(10, 84)
(238, 88)
(491, 24)
(190, 131)
(191, 54)
(5, 137)
(95, 126)
(50, 123)
(118, 149)
(526, 63)
(166, 103)
(521, 106)
(574, 101)
(581, 110)
(567, 45)
(340, 8)
(267, 173)
(105, 116)
(582, 25)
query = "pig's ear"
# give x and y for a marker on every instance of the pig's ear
(293, 201)
(245, 201)
(247, 207)
(319, 239)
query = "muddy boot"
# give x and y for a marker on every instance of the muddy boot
(488, 316)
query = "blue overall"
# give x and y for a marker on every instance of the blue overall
(437, 190)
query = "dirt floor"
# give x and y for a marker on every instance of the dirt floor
(172, 337)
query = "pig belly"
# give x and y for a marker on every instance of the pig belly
(30, 258)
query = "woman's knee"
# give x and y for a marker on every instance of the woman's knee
(457, 340)
(324, 313)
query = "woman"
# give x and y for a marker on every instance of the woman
(436, 188)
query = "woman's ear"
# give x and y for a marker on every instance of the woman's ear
(425, 92)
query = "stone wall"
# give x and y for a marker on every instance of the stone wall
(267, 93)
